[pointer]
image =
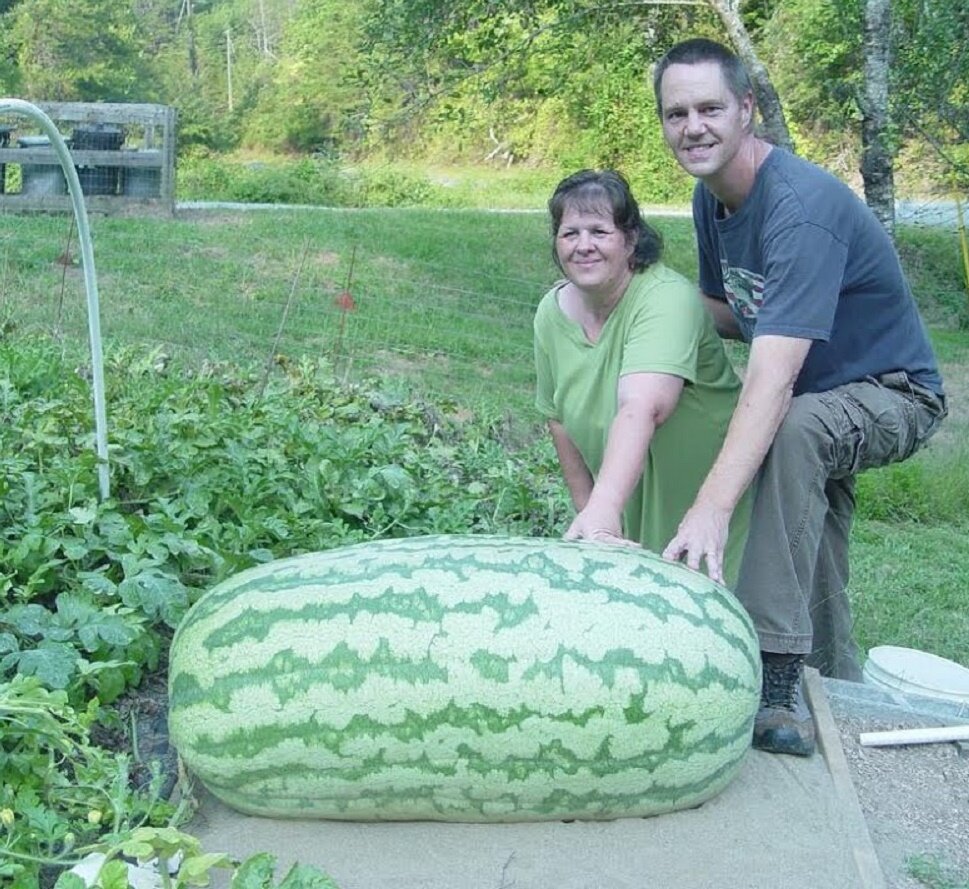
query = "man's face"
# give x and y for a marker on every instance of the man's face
(703, 122)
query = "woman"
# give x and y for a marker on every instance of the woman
(632, 377)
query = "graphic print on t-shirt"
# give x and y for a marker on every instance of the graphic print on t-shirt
(745, 294)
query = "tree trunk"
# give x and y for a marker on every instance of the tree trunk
(877, 163)
(773, 125)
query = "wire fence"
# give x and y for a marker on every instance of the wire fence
(206, 289)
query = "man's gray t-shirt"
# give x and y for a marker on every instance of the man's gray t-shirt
(805, 257)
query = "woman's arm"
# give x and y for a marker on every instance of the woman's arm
(577, 476)
(645, 401)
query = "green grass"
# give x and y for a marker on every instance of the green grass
(935, 873)
(908, 586)
(933, 261)
(930, 489)
(511, 188)
(373, 183)
(443, 307)
(951, 345)
(910, 547)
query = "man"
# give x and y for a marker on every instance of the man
(840, 374)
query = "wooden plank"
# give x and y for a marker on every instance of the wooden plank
(148, 125)
(167, 184)
(829, 741)
(107, 205)
(105, 112)
(125, 157)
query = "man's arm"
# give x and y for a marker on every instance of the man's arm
(645, 401)
(772, 368)
(723, 317)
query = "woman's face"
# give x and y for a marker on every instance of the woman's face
(593, 252)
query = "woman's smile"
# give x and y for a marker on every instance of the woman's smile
(593, 252)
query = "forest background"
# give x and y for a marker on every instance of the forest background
(543, 85)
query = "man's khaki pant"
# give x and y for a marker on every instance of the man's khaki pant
(794, 573)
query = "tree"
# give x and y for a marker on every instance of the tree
(774, 126)
(430, 39)
(310, 101)
(88, 50)
(202, 50)
(930, 79)
(877, 163)
(831, 59)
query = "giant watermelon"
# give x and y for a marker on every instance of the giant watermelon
(465, 678)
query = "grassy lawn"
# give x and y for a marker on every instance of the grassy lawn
(441, 299)
(442, 303)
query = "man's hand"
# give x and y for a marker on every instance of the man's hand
(701, 536)
(772, 368)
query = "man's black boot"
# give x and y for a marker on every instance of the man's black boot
(783, 723)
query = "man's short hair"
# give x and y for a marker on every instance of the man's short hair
(696, 51)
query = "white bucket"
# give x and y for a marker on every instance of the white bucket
(916, 672)
(40, 179)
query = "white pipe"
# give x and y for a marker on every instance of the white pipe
(936, 735)
(19, 106)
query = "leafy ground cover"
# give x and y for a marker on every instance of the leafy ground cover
(253, 414)
(211, 472)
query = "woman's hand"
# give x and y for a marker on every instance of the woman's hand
(598, 524)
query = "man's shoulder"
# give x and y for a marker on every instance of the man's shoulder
(793, 191)
(808, 180)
